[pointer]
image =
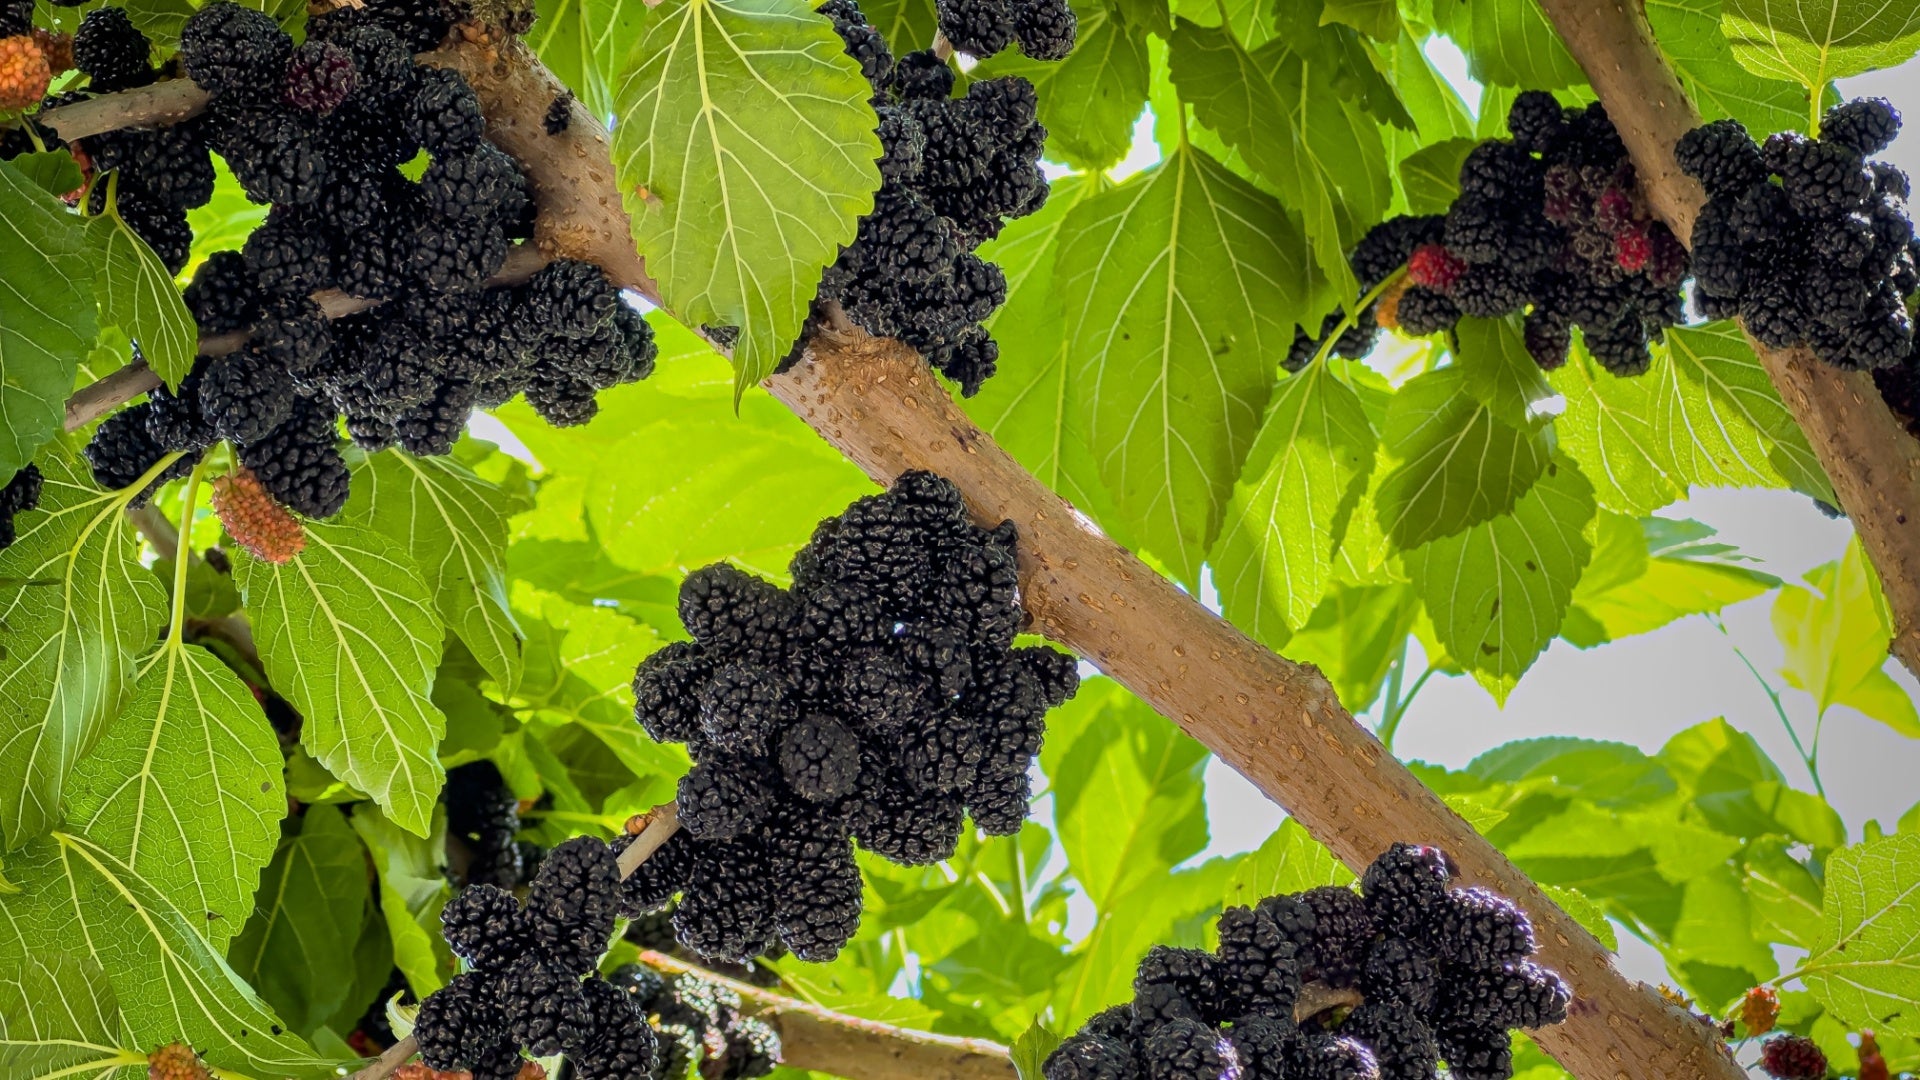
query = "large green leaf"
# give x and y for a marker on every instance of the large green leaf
(1128, 798)
(1031, 406)
(1836, 637)
(1274, 558)
(413, 888)
(1509, 43)
(1722, 421)
(58, 1017)
(1459, 464)
(1813, 42)
(1690, 35)
(1648, 573)
(1181, 296)
(1281, 113)
(906, 24)
(136, 293)
(1785, 893)
(1612, 428)
(77, 609)
(745, 151)
(348, 632)
(454, 524)
(1090, 100)
(185, 787)
(1866, 966)
(1739, 791)
(1289, 861)
(1498, 591)
(297, 948)
(172, 986)
(46, 314)
(1354, 636)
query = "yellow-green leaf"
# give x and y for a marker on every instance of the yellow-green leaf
(137, 294)
(1814, 42)
(1866, 966)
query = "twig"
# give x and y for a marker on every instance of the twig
(1873, 463)
(816, 1038)
(162, 103)
(156, 528)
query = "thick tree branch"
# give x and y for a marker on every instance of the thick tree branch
(825, 1041)
(1872, 460)
(1278, 723)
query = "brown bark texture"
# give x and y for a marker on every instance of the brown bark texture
(1873, 462)
(812, 1037)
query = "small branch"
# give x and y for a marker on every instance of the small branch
(816, 1038)
(1317, 997)
(162, 103)
(102, 396)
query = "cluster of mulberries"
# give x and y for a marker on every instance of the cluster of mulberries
(1043, 29)
(21, 493)
(1826, 256)
(1442, 973)
(531, 981)
(653, 931)
(483, 814)
(319, 131)
(879, 700)
(1793, 1057)
(953, 170)
(1550, 223)
(698, 1023)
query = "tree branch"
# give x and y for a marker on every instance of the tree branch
(1276, 722)
(816, 1038)
(1873, 462)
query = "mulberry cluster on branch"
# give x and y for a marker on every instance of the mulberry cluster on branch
(1443, 973)
(1043, 29)
(952, 171)
(879, 700)
(1826, 257)
(1550, 223)
(698, 1022)
(530, 983)
(409, 371)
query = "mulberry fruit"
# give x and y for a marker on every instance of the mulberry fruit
(111, 51)
(234, 51)
(1793, 1057)
(20, 494)
(252, 519)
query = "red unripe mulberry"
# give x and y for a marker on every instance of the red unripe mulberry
(1434, 267)
(1793, 1057)
(254, 520)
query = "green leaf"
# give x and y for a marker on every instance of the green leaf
(745, 487)
(78, 608)
(348, 632)
(185, 787)
(1324, 156)
(1721, 420)
(1633, 587)
(1585, 912)
(1030, 1050)
(1354, 636)
(1498, 591)
(297, 949)
(1741, 792)
(137, 294)
(413, 888)
(1866, 966)
(454, 524)
(1032, 406)
(1785, 894)
(46, 316)
(1612, 428)
(53, 171)
(906, 24)
(1431, 175)
(1289, 861)
(1836, 641)
(172, 986)
(59, 1017)
(1607, 774)
(1274, 559)
(210, 593)
(1378, 19)
(223, 224)
(1509, 43)
(1128, 798)
(1181, 291)
(1813, 42)
(745, 152)
(1690, 36)
(1459, 464)
(1498, 372)
(1090, 100)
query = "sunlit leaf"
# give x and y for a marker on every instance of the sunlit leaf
(137, 294)
(1459, 464)
(58, 1017)
(297, 948)
(46, 314)
(1813, 42)
(1836, 641)
(1866, 966)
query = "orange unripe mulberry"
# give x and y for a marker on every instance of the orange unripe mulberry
(1873, 1064)
(175, 1061)
(254, 520)
(57, 48)
(24, 73)
(1386, 310)
(1759, 1009)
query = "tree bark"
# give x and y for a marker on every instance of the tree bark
(825, 1041)
(1276, 722)
(1873, 462)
